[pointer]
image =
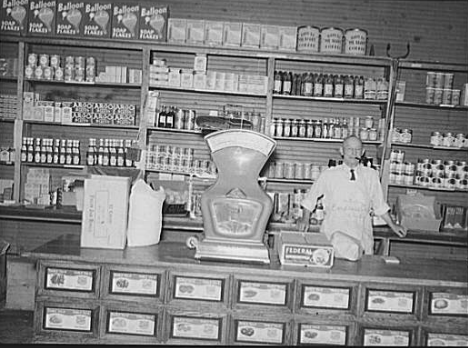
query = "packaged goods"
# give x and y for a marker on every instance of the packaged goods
(287, 38)
(97, 19)
(42, 18)
(153, 23)
(355, 41)
(125, 21)
(13, 17)
(251, 35)
(232, 33)
(214, 33)
(177, 30)
(331, 40)
(195, 31)
(308, 39)
(105, 212)
(269, 37)
(70, 15)
(419, 212)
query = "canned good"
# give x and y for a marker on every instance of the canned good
(48, 73)
(44, 60)
(29, 72)
(430, 92)
(459, 140)
(436, 138)
(80, 62)
(79, 74)
(299, 171)
(331, 40)
(364, 134)
(455, 97)
(431, 79)
(446, 96)
(190, 119)
(38, 72)
(90, 61)
(439, 80)
(406, 136)
(58, 74)
(355, 41)
(447, 139)
(308, 39)
(32, 59)
(307, 171)
(69, 73)
(408, 179)
(289, 170)
(438, 96)
(69, 61)
(279, 170)
(55, 61)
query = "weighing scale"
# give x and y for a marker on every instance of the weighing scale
(235, 208)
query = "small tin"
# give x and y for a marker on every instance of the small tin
(38, 72)
(299, 171)
(29, 72)
(58, 74)
(32, 59)
(355, 41)
(190, 119)
(289, 170)
(279, 170)
(308, 39)
(48, 73)
(331, 40)
(44, 60)
(55, 61)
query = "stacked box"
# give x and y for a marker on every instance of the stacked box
(153, 23)
(70, 14)
(42, 18)
(177, 30)
(14, 17)
(214, 33)
(251, 35)
(195, 31)
(232, 34)
(125, 21)
(97, 19)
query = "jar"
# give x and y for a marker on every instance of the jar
(406, 136)
(369, 122)
(294, 128)
(370, 88)
(364, 134)
(279, 170)
(396, 135)
(302, 129)
(318, 129)
(287, 128)
(279, 127)
(447, 140)
(310, 129)
(459, 140)
(273, 125)
(436, 138)
(373, 134)
(289, 170)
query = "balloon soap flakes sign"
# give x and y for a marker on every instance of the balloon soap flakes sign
(125, 23)
(97, 19)
(42, 16)
(13, 16)
(153, 23)
(70, 18)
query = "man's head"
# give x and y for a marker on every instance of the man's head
(351, 150)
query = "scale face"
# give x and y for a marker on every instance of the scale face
(235, 208)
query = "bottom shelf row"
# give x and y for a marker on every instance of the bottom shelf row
(116, 323)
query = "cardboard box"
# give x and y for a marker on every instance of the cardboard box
(232, 34)
(177, 31)
(97, 19)
(42, 17)
(70, 15)
(105, 212)
(125, 21)
(269, 37)
(195, 31)
(14, 17)
(419, 212)
(153, 23)
(251, 35)
(214, 33)
(305, 249)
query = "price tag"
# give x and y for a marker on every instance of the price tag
(132, 323)
(196, 328)
(259, 332)
(386, 338)
(264, 293)
(69, 279)
(67, 319)
(144, 284)
(325, 297)
(198, 288)
(322, 334)
(390, 301)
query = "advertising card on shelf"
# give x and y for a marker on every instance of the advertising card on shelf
(13, 17)
(153, 23)
(42, 18)
(97, 19)
(125, 21)
(70, 15)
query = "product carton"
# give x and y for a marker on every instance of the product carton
(419, 212)
(250, 35)
(70, 15)
(97, 19)
(105, 212)
(125, 21)
(14, 17)
(153, 23)
(232, 33)
(42, 17)
(177, 32)
(214, 33)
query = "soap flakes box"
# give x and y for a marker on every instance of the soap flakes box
(153, 22)
(70, 15)
(42, 17)
(97, 19)
(125, 21)
(13, 17)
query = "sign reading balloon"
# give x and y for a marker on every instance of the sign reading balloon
(13, 17)
(125, 24)
(42, 17)
(70, 18)
(97, 19)
(153, 23)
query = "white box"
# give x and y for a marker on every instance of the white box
(177, 30)
(270, 37)
(105, 212)
(195, 31)
(213, 33)
(288, 38)
(251, 35)
(232, 34)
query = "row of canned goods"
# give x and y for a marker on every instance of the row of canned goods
(331, 40)
(448, 139)
(459, 183)
(295, 170)
(75, 68)
(329, 85)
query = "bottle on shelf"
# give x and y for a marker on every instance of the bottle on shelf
(69, 152)
(100, 157)
(319, 212)
(56, 152)
(328, 86)
(318, 85)
(277, 87)
(120, 154)
(339, 86)
(49, 151)
(62, 155)
(287, 83)
(307, 85)
(112, 153)
(24, 150)
(162, 117)
(91, 153)
(105, 153)
(170, 115)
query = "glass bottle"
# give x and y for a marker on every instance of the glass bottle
(120, 154)
(105, 153)
(170, 115)
(359, 88)
(49, 151)
(287, 77)
(319, 212)
(91, 152)
(24, 150)
(318, 85)
(162, 117)
(37, 150)
(112, 153)
(328, 86)
(277, 87)
(76, 152)
(349, 87)
(30, 150)
(339, 87)
(307, 85)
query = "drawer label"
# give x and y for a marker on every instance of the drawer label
(131, 323)
(325, 297)
(265, 293)
(196, 328)
(134, 283)
(322, 334)
(69, 279)
(390, 301)
(435, 339)
(447, 303)
(259, 332)
(386, 338)
(198, 288)
(67, 319)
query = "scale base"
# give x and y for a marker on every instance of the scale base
(216, 250)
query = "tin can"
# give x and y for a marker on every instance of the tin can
(289, 170)
(331, 40)
(69, 73)
(308, 39)
(69, 61)
(190, 116)
(55, 61)
(364, 134)
(44, 60)
(79, 74)
(436, 138)
(446, 96)
(459, 140)
(38, 72)
(307, 171)
(58, 74)
(80, 62)
(48, 73)
(438, 96)
(355, 41)
(279, 170)
(406, 136)
(439, 80)
(32, 59)
(430, 92)
(299, 171)
(29, 72)
(447, 139)
(179, 119)
(431, 79)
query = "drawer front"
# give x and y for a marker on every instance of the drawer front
(134, 284)
(246, 329)
(446, 302)
(65, 279)
(321, 332)
(384, 337)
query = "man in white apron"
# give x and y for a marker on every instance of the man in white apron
(350, 192)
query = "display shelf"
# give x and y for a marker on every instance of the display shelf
(438, 66)
(432, 106)
(433, 147)
(52, 165)
(7, 120)
(9, 78)
(174, 130)
(324, 140)
(418, 187)
(330, 99)
(208, 91)
(85, 83)
(290, 181)
(90, 125)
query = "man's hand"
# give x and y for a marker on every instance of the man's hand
(399, 230)
(302, 225)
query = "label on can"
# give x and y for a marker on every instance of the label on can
(308, 38)
(355, 41)
(331, 40)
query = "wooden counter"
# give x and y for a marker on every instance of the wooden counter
(96, 295)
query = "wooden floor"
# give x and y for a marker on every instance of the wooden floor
(16, 327)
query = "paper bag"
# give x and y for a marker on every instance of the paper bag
(145, 215)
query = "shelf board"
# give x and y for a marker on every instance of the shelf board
(8, 120)
(431, 106)
(406, 64)
(54, 165)
(174, 130)
(210, 91)
(87, 84)
(331, 99)
(323, 140)
(291, 181)
(91, 125)
(9, 78)
(418, 187)
(432, 147)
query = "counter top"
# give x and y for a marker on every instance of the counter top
(175, 255)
